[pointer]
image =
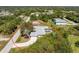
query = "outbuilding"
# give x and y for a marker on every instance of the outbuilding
(59, 21)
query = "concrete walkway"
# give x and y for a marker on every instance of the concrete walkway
(25, 44)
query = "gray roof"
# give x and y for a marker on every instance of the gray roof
(59, 20)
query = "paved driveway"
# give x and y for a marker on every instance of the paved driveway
(72, 23)
(25, 44)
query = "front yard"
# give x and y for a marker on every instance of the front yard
(43, 45)
(22, 39)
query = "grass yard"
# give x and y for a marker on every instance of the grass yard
(72, 40)
(43, 45)
(22, 39)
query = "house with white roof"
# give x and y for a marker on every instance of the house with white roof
(39, 31)
(59, 21)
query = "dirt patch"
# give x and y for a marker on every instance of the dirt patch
(37, 22)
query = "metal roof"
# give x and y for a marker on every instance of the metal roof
(59, 20)
(38, 33)
(39, 30)
(40, 27)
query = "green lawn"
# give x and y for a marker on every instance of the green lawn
(44, 44)
(22, 39)
(72, 40)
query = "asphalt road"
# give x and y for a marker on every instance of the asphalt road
(9, 45)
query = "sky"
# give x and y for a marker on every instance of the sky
(39, 2)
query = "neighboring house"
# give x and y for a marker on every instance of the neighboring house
(39, 31)
(59, 21)
(5, 13)
(36, 13)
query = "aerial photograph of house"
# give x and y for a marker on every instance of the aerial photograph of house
(41, 29)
